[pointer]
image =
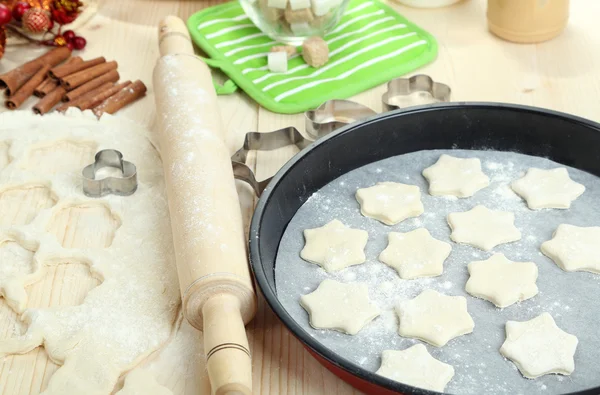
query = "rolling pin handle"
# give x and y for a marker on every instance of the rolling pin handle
(227, 353)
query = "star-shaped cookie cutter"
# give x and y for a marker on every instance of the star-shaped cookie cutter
(418, 84)
(122, 186)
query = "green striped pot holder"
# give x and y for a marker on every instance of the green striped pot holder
(371, 45)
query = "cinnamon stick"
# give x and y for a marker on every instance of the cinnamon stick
(45, 87)
(61, 71)
(127, 95)
(92, 101)
(85, 97)
(16, 78)
(111, 76)
(27, 89)
(77, 79)
(49, 84)
(49, 101)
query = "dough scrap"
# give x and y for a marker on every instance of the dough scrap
(483, 228)
(574, 248)
(547, 188)
(132, 312)
(415, 366)
(434, 318)
(390, 202)
(502, 281)
(455, 176)
(141, 382)
(334, 246)
(339, 306)
(19, 267)
(539, 347)
(415, 254)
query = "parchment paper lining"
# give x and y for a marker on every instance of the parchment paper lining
(571, 298)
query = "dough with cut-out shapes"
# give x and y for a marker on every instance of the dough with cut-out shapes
(390, 202)
(461, 177)
(141, 382)
(483, 228)
(547, 188)
(334, 246)
(339, 306)
(415, 366)
(434, 318)
(502, 281)
(539, 347)
(574, 248)
(415, 254)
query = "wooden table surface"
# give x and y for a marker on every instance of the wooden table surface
(563, 74)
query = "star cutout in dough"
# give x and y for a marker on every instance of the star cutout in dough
(502, 281)
(390, 202)
(455, 176)
(342, 307)
(574, 248)
(415, 254)
(434, 318)
(483, 228)
(415, 366)
(334, 246)
(539, 347)
(18, 268)
(547, 188)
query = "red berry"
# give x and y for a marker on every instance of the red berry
(69, 35)
(19, 9)
(5, 15)
(79, 43)
(70, 46)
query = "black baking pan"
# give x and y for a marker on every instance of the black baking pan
(563, 138)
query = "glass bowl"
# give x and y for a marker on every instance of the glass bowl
(293, 21)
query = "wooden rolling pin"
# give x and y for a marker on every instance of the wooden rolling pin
(212, 264)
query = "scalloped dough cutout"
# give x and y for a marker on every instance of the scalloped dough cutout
(95, 225)
(64, 156)
(20, 204)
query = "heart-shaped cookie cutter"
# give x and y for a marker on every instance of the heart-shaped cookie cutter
(421, 85)
(334, 114)
(122, 186)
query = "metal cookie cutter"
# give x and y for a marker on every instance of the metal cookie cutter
(334, 114)
(416, 90)
(264, 142)
(123, 186)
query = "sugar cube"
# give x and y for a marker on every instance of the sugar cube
(278, 62)
(282, 4)
(299, 4)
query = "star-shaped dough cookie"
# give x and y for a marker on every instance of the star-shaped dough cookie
(343, 307)
(415, 366)
(539, 347)
(574, 248)
(483, 228)
(390, 202)
(455, 176)
(547, 188)
(415, 254)
(434, 318)
(502, 281)
(334, 246)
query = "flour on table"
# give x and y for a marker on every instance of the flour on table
(132, 312)
(390, 202)
(460, 177)
(334, 246)
(574, 248)
(415, 254)
(483, 228)
(339, 306)
(415, 366)
(548, 188)
(502, 281)
(434, 317)
(539, 347)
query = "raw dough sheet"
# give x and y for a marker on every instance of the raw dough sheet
(480, 369)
